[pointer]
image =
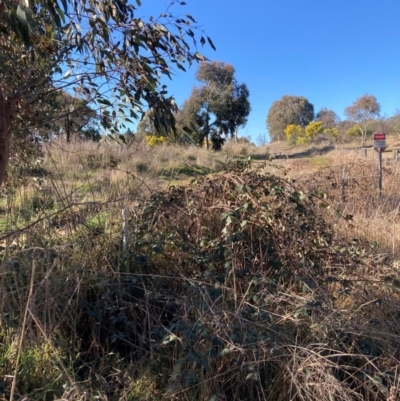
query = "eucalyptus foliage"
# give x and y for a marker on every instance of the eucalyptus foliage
(288, 110)
(216, 109)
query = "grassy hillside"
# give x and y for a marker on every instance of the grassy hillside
(132, 273)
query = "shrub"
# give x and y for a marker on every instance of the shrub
(354, 130)
(333, 132)
(153, 140)
(313, 129)
(295, 134)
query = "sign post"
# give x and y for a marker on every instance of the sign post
(379, 146)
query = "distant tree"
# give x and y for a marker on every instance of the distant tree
(328, 117)
(74, 117)
(394, 123)
(362, 111)
(290, 110)
(244, 140)
(381, 124)
(262, 139)
(235, 111)
(218, 81)
(218, 107)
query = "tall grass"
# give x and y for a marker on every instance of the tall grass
(351, 184)
(234, 287)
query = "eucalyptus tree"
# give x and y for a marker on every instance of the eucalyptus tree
(235, 110)
(363, 111)
(99, 49)
(296, 110)
(218, 107)
(328, 117)
(73, 117)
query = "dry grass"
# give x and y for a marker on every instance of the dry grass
(375, 220)
(231, 288)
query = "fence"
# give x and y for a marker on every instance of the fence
(387, 160)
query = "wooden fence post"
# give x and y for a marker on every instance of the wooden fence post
(343, 184)
(364, 152)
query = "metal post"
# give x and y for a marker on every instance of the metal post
(380, 173)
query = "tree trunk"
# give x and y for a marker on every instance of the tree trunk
(68, 128)
(6, 107)
(207, 129)
(363, 135)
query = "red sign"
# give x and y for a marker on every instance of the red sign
(379, 137)
(379, 142)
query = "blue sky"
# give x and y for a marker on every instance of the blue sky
(331, 52)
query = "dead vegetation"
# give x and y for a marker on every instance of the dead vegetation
(241, 285)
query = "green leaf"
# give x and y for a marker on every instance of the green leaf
(22, 25)
(64, 3)
(105, 102)
(53, 12)
(211, 43)
(191, 18)
(180, 66)
(61, 14)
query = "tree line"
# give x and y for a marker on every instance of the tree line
(220, 105)
(292, 118)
